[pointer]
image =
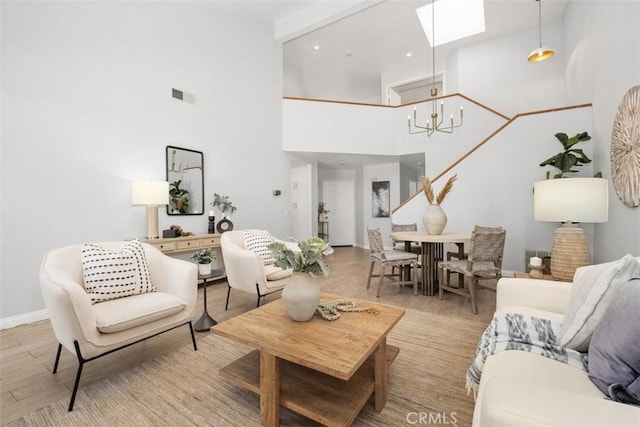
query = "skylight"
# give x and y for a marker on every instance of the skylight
(455, 19)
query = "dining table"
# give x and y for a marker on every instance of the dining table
(432, 251)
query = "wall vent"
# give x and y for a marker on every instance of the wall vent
(183, 96)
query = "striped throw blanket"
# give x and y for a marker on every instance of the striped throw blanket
(524, 333)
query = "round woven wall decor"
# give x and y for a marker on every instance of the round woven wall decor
(625, 149)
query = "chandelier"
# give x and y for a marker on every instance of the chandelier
(436, 122)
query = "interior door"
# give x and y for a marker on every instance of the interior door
(339, 197)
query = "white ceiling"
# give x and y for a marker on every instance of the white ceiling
(378, 34)
(361, 45)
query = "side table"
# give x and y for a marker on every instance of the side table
(205, 322)
(523, 275)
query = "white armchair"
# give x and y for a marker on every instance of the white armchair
(246, 270)
(91, 330)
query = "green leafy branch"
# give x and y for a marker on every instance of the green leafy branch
(570, 158)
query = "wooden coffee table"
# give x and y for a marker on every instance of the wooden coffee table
(324, 370)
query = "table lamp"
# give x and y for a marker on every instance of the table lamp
(570, 200)
(150, 194)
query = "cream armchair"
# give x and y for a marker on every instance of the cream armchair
(93, 330)
(246, 270)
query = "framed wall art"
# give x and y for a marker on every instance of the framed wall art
(380, 200)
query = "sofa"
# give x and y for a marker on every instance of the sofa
(520, 388)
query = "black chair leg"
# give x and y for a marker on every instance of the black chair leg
(259, 295)
(77, 382)
(226, 306)
(55, 364)
(82, 360)
(193, 337)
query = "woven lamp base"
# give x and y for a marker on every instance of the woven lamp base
(569, 251)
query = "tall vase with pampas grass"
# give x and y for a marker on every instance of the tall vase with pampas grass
(434, 218)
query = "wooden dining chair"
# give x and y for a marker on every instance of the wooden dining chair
(392, 258)
(400, 244)
(484, 262)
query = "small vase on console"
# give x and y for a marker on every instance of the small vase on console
(434, 219)
(301, 296)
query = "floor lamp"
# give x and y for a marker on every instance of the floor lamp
(150, 194)
(570, 200)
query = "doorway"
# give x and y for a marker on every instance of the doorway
(339, 197)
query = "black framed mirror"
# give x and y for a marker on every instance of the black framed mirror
(185, 174)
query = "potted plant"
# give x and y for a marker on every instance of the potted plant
(322, 211)
(301, 295)
(203, 258)
(434, 219)
(178, 197)
(223, 204)
(571, 157)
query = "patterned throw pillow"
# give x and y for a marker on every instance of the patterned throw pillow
(257, 242)
(109, 274)
(594, 287)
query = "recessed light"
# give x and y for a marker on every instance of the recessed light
(316, 47)
(408, 54)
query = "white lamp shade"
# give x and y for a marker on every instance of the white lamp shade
(150, 193)
(571, 199)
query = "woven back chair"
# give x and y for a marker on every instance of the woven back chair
(392, 258)
(484, 262)
(399, 245)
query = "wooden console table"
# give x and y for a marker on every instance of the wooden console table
(185, 244)
(177, 245)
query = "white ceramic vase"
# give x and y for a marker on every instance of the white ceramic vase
(204, 269)
(301, 296)
(434, 219)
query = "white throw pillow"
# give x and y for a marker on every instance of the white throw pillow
(594, 288)
(257, 242)
(109, 274)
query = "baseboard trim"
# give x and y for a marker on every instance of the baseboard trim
(23, 319)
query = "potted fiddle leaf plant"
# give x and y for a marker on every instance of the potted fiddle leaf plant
(565, 161)
(178, 197)
(203, 257)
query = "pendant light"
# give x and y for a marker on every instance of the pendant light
(542, 52)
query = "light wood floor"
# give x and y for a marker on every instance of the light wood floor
(27, 352)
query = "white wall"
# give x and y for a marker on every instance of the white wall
(496, 72)
(326, 127)
(86, 109)
(602, 59)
